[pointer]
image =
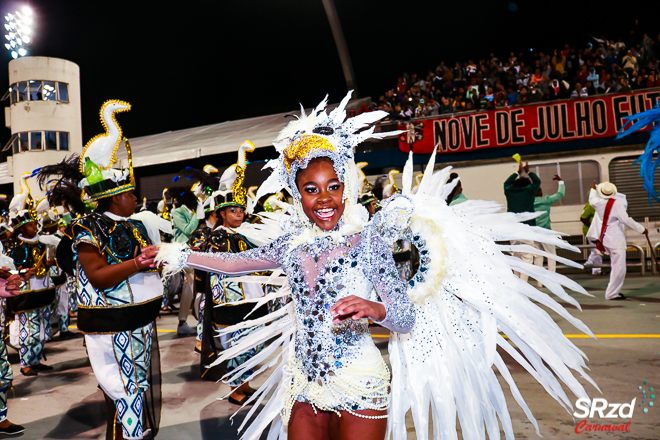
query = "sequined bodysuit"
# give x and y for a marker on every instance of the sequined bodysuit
(336, 366)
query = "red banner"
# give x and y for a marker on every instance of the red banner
(557, 121)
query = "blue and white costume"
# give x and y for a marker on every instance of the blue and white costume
(118, 322)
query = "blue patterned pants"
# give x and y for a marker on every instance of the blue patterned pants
(133, 353)
(239, 360)
(47, 313)
(32, 335)
(6, 377)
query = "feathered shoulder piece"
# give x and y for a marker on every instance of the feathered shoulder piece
(98, 225)
(393, 220)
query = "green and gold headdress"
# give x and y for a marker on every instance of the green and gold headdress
(100, 154)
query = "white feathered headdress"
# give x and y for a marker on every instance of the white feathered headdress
(321, 135)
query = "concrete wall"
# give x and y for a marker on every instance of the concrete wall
(26, 116)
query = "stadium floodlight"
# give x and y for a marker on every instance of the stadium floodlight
(19, 31)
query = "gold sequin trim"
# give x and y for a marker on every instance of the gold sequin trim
(302, 147)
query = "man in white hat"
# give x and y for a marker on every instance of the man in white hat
(610, 232)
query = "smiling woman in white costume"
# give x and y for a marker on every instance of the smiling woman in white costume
(329, 379)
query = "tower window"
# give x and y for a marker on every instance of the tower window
(37, 90)
(39, 141)
(63, 89)
(64, 141)
(22, 91)
(49, 91)
(23, 141)
(35, 140)
(51, 140)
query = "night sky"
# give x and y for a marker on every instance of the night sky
(204, 62)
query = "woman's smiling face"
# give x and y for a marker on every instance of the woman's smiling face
(321, 193)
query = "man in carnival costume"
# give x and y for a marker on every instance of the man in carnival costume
(219, 309)
(119, 291)
(519, 190)
(204, 183)
(366, 198)
(331, 381)
(10, 283)
(9, 287)
(170, 288)
(65, 199)
(32, 307)
(48, 219)
(6, 242)
(185, 220)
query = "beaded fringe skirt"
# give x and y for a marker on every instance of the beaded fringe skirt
(363, 383)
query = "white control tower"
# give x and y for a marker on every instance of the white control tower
(44, 115)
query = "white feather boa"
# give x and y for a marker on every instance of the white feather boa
(172, 257)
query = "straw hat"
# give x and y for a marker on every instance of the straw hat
(606, 190)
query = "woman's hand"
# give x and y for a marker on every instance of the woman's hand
(355, 308)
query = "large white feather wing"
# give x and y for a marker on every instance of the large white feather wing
(465, 291)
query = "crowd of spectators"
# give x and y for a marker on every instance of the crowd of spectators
(603, 66)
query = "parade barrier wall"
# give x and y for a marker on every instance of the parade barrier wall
(584, 119)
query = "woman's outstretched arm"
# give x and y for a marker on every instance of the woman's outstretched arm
(174, 257)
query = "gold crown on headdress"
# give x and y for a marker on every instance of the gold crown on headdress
(303, 146)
